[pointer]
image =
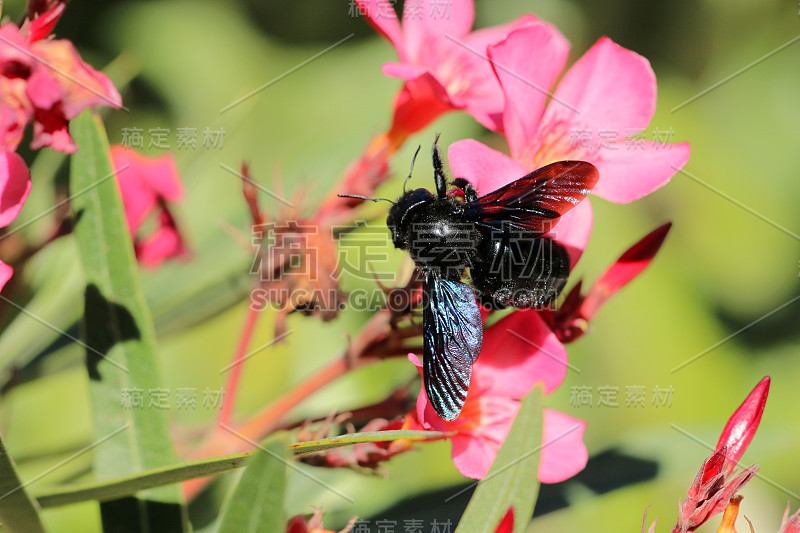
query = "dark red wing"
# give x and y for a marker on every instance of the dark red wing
(535, 202)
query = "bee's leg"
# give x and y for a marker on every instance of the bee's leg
(438, 169)
(470, 194)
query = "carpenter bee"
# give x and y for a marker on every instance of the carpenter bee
(501, 240)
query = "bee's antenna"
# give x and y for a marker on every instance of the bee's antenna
(412, 168)
(365, 198)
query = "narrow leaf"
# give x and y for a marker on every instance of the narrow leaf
(129, 485)
(512, 481)
(367, 436)
(18, 513)
(119, 339)
(255, 504)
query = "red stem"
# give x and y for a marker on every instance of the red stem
(226, 413)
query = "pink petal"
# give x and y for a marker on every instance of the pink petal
(15, 184)
(143, 181)
(426, 416)
(563, 453)
(743, 423)
(382, 17)
(527, 64)
(43, 89)
(624, 270)
(159, 174)
(628, 173)
(574, 229)
(518, 352)
(485, 168)
(477, 89)
(82, 86)
(481, 39)
(15, 112)
(473, 457)
(404, 71)
(610, 88)
(165, 243)
(475, 448)
(427, 21)
(15, 48)
(5, 274)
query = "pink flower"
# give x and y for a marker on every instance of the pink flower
(518, 352)
(606, 97)
(147, 186)
(571, 320)
(442, 62)
(610, 90)
(45, 80)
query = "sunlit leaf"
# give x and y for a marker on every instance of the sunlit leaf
(129, 485)
(368, 436)
(119, 339)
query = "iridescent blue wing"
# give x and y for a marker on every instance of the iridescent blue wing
(535, 202)
(453, 334)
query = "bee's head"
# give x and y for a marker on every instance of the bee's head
(399, 215)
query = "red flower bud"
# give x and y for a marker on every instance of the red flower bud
(743, 423)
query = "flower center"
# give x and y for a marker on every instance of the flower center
(560, 140)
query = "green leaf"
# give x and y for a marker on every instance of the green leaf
(129, 485)
(17, 511)
(512, 481)
(256, 502)
(368, 436)
(119, 340)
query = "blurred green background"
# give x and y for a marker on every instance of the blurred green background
(731, 259)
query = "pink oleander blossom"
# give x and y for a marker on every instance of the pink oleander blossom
(608, 90)
(45, 80)
(442, 62)
(148, 186)
(507, 369)
(602, 103)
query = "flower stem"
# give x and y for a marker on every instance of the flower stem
(232, 385)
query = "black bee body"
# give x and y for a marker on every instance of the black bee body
(518, 269)
(509, 266)
(499, 238)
